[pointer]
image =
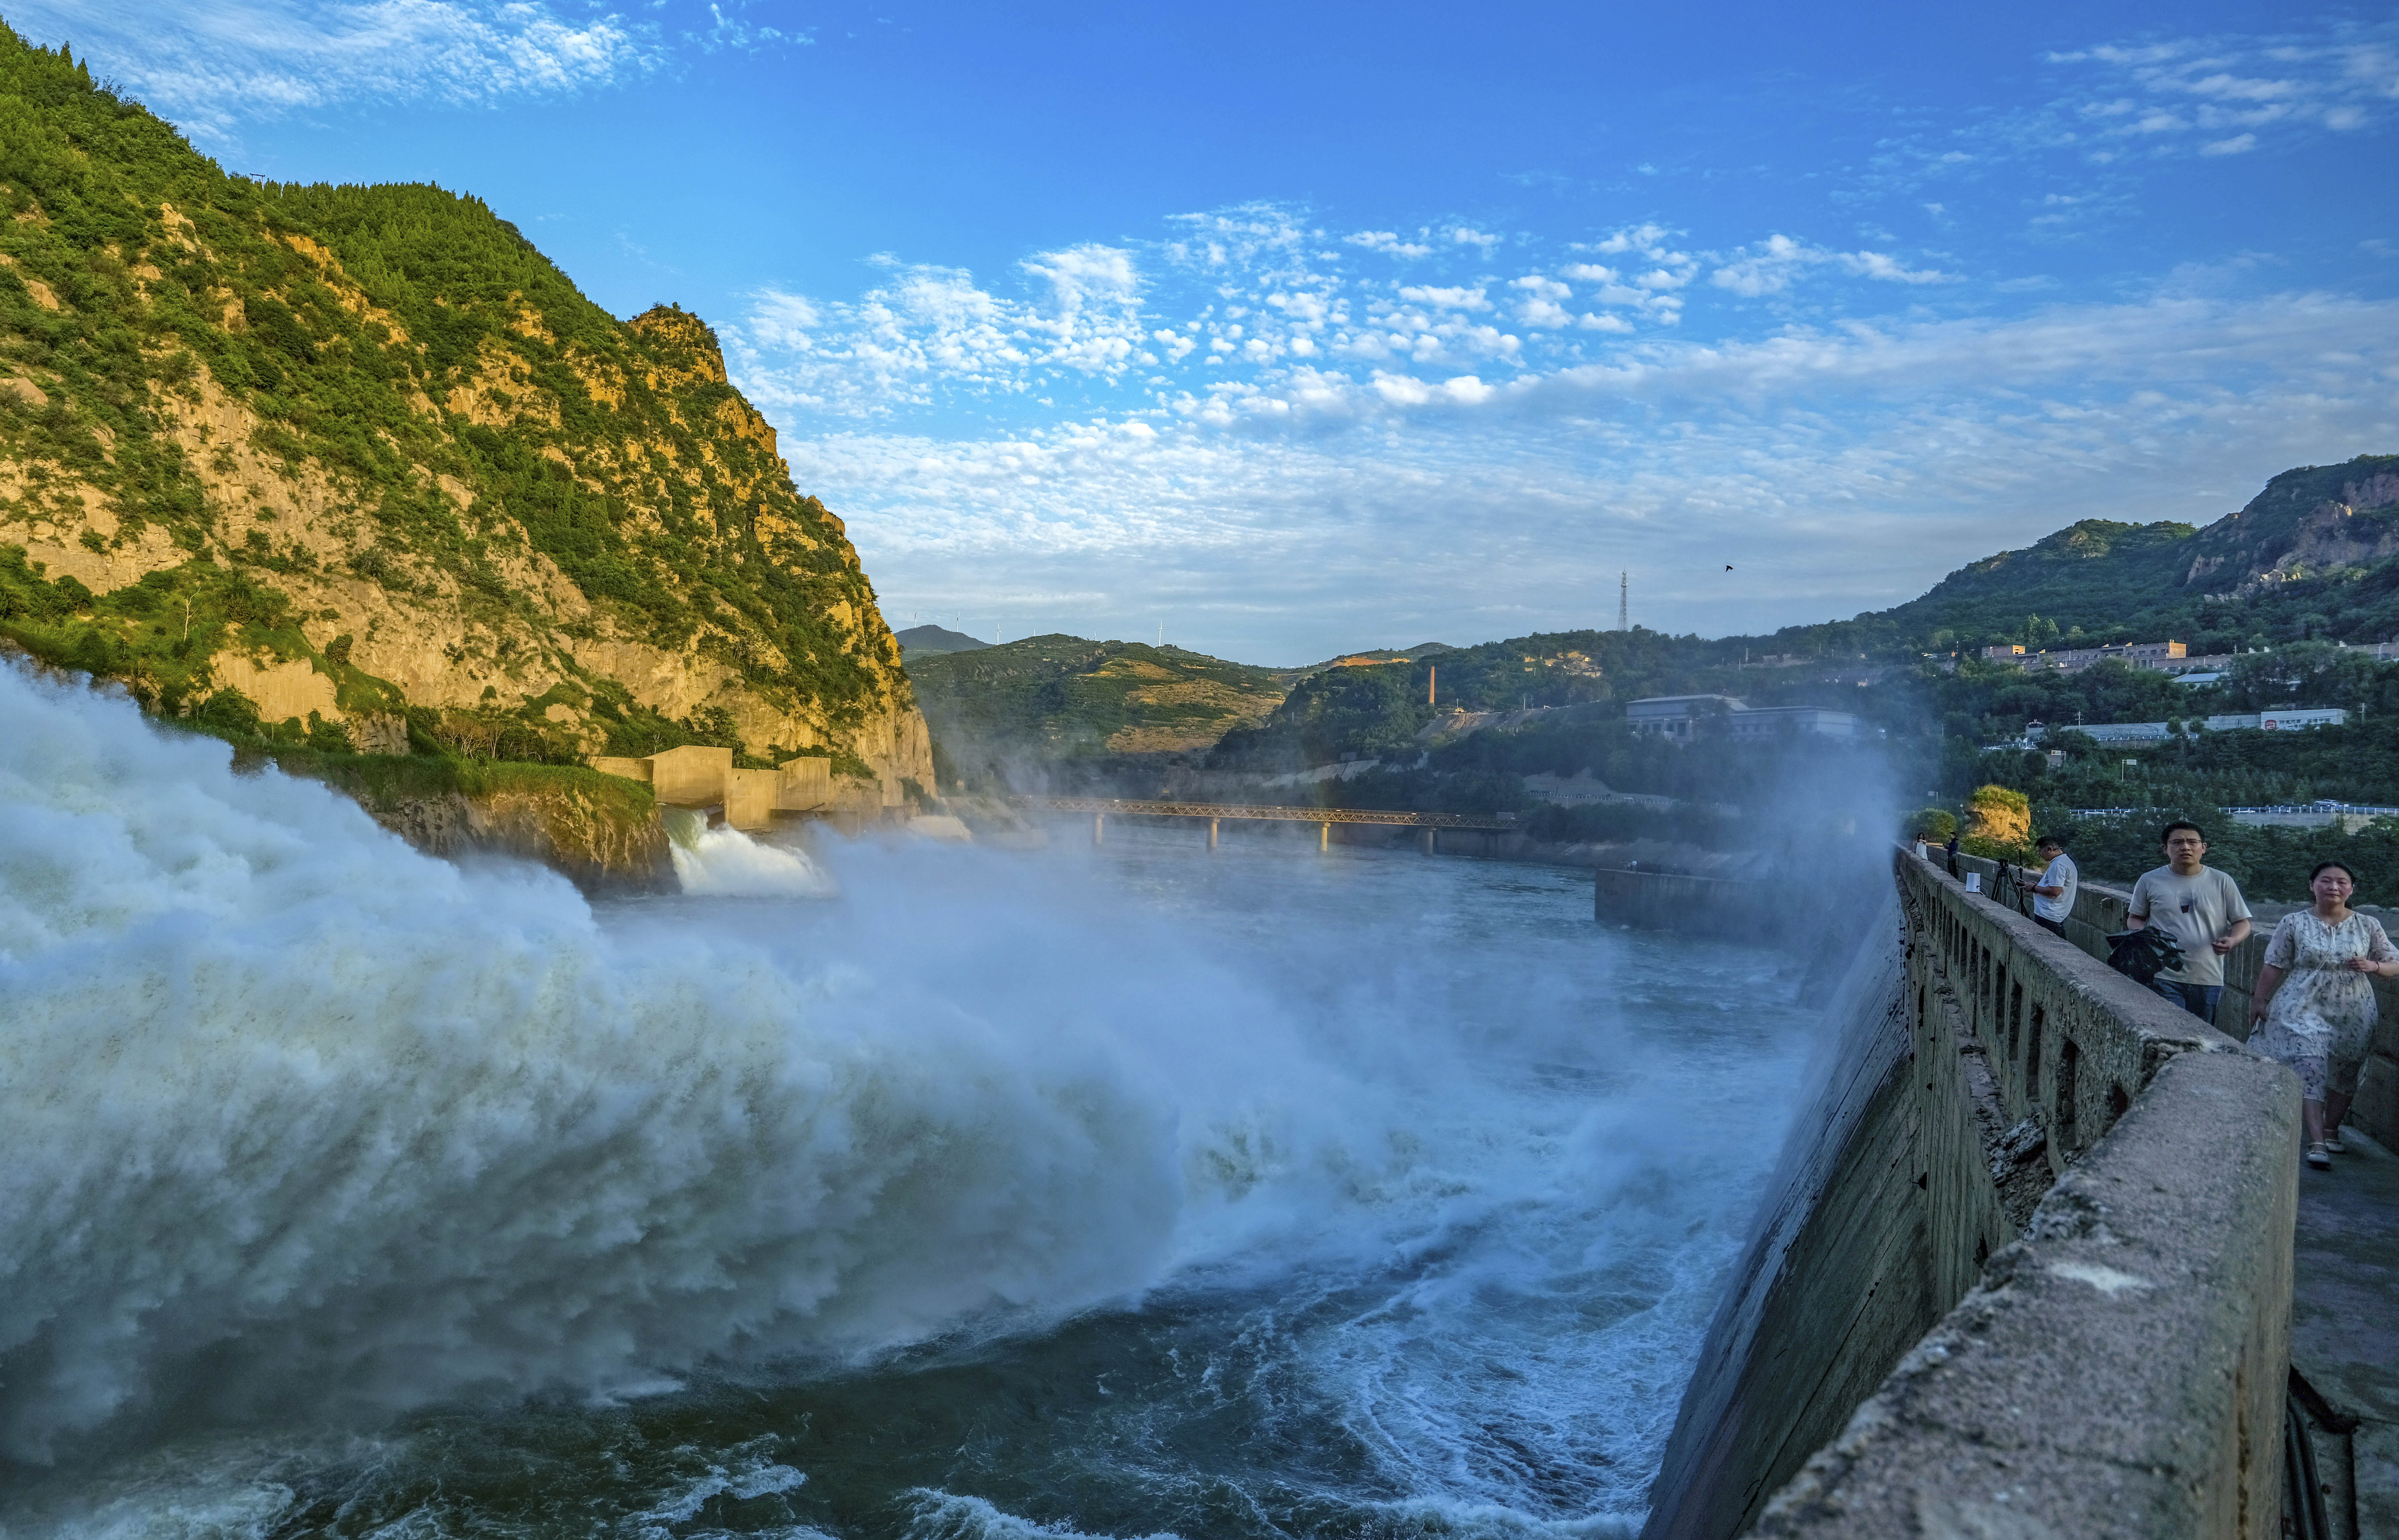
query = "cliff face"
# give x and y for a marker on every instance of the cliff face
(363, 466)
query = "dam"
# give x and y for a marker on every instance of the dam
(2033, 1272)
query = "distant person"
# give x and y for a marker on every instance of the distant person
(2052, 897)
(2316, 1000)
(1950, 852)
(2201, 908)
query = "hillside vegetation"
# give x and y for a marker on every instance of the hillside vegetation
(1048, 700)
(359, 466)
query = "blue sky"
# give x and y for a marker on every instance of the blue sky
(1300, 328)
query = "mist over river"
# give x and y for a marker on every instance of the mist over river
(920, 1191)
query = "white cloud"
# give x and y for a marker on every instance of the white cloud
(1648, 239)
(1308, 436)
(1540, 306)
(737, 32)
(212, 66)
(2226, 95)
(1385, 240)
(933, 329)
(1773, 265)
(1855, 465)
(1461, 298)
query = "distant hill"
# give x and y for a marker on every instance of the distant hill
(2314, 556)
(1376, 654)
(1056, 697)
(1358, 704)
(933, 641)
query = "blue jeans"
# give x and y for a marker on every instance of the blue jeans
(2197, 999)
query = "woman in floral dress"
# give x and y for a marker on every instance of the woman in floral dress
(2313, 1008)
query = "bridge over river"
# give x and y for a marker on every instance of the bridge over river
(1216, 813)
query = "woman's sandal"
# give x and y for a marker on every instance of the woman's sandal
(2317, 1158)
(2333, 1146)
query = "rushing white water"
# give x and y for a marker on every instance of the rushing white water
(299, 1129)
(725, 863)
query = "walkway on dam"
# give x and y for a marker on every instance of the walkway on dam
(2345, 1318)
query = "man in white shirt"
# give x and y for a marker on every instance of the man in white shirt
(2052, 897)
(2201, 909)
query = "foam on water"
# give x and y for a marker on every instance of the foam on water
(299, 1127)
(726, 863)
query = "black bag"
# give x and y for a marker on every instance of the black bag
(2141, 956)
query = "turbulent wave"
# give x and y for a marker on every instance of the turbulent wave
(290, 1112)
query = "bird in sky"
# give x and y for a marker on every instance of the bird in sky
(1728, 566)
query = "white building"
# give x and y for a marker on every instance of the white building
(1684, 718)
(2283, 720)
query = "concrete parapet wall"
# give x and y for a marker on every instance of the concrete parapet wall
(631, 769)
(2069, 1043)
(2099, 912)
(2056, 1211)
(2121, 1370)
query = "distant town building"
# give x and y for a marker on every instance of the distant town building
(2172, 657)
(2073, 660)
(1678, 717)
(2286, 720)
(1683, 718)
(1773, 720)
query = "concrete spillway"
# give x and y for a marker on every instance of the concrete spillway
(2031, 1276)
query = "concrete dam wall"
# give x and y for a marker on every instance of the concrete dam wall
(2030, 1274)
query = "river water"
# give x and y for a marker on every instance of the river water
(903, 1191)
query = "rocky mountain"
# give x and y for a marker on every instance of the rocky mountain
(357, 466)
(2315, 554)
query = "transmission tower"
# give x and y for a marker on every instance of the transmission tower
(1623, 602)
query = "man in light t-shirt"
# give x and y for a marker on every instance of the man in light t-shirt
(2201, 909)
(2052, 897)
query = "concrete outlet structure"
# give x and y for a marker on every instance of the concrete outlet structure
(691, 776)
(700, 776)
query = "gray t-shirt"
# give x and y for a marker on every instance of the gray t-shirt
(2061, 873)
(2194, 910)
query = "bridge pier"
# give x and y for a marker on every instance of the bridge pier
(1425, 841)
(1099, 827)
(1323, 838)
(1212, 834)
